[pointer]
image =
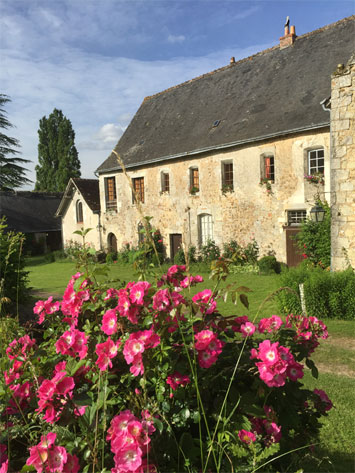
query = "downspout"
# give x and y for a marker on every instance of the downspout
(99, 226)
(326, 106)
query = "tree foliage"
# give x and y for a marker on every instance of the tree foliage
(58, 159)
(314, 239)
(12, 174)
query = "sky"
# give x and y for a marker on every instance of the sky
(96, 60)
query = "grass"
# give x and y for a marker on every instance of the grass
(52, 278)
(335, 357)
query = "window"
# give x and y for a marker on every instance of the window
(227, 176)
(110, 193)
(165, 184)
(296, 217)
(205, 228)
(268, 169)
(138, 186)
(316, 161)
(194, 181)
(79, 212)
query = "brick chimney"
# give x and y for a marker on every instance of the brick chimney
(289, 36)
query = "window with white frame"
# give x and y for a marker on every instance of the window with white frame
(296, 217)
(316, 161)
(205, 229)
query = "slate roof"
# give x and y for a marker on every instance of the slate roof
(89, 190)
(30, 212)
(272, 93)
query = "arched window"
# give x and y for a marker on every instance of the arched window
(111, 243)
(205, 228)
(79, 212)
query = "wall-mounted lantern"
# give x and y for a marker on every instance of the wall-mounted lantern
(317, 213)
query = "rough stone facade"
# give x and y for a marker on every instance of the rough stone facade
(246, 213)
(70, 224)
(343, 166)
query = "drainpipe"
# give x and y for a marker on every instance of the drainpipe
(326, 106)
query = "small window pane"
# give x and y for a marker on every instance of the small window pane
(296, 217)
(316, 161)
(165, 184)
(194, 180)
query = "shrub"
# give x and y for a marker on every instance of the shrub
(239, 255)
(179, 257)
(13, 278)
(314, 239)
(209, 252)
(326, 294)
(111, 257)
(131, 377)
(269, 264)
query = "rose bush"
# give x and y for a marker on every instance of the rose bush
(148, 378)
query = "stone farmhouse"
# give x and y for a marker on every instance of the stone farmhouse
(241, 152)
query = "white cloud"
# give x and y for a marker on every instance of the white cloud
(46, 67)
(176, 39)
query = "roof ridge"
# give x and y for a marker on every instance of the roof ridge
(248, 58)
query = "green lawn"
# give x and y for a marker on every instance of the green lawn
(335, 357)
(54, 277)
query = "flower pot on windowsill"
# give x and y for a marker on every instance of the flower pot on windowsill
(316, 178)
(227, 189)
(267, 183)
(194, 190)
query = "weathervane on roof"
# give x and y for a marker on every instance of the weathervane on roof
(287, 22)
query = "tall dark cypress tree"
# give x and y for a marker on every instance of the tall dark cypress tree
(57, 155)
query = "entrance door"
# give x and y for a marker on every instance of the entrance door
(112, 243)
(175, 244)
(293, 253)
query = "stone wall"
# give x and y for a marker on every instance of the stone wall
(343, 166)
(247, 212)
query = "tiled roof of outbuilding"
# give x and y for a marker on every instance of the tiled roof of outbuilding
(273, 93)
(30, 212)
(89, 190)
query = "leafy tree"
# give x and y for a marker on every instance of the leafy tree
(12, 174)
(57, 155)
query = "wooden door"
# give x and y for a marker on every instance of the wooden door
(175, 244)
(112, 243)
(293, 253)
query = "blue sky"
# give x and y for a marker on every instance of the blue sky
(96, 60)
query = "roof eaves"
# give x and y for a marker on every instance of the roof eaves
(216, 147)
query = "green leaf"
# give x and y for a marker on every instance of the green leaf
(158, 424)
(310, 364)
(26, 468)
(244, 300)
(243, 289)
(185, 413)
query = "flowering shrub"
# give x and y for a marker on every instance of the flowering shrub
(147, 378)
(317, 178)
